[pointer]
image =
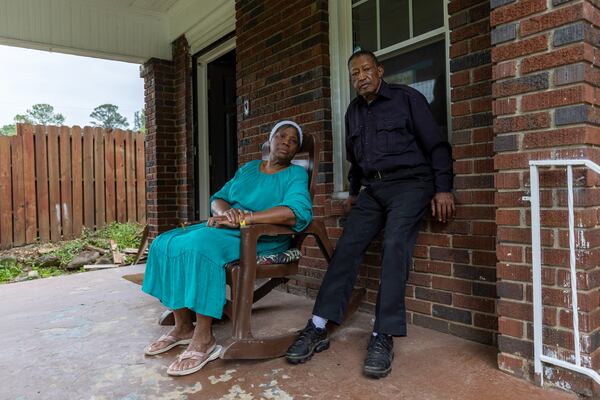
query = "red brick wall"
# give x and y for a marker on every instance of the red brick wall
(169, 150)
(283, 70)
(454, 269)
(545, 88)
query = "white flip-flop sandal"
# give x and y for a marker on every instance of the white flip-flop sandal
(172, 342)
(203, 359)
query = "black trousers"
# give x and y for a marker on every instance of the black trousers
(396, 204)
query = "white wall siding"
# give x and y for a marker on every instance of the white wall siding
(202, 22)
(85, 27)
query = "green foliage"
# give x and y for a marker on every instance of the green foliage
(139, 121)
(9, 270)
(8, 130)
(50, 271)
(125, 235)
(41, 114)
(68, 250)
(108, 116)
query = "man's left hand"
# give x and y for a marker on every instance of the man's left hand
(442, 206)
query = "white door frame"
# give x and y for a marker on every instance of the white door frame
(202, 93)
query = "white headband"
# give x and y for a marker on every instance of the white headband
(286, 122)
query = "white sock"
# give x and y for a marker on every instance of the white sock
(319, 322)
(374, 333)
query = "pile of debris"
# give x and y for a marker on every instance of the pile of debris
(33, 258)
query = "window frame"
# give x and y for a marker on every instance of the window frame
(340, 39)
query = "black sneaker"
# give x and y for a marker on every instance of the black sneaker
(310, 340)
(380, 354)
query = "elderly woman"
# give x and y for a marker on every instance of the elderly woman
(185, 268)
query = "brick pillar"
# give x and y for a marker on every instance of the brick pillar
(160, 138)
(452, 287)
(169, 153)
(545, 92)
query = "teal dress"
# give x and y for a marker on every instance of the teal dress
(185, 267)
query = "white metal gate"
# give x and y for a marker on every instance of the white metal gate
(537, 267)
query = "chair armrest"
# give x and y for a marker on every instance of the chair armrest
(258, 230)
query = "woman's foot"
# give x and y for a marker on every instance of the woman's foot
(176, 337)
(195, 357)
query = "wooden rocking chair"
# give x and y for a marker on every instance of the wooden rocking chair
(243, 275)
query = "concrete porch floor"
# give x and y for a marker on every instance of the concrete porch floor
(81, 337)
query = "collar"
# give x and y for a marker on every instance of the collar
(384, 91)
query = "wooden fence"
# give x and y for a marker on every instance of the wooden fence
(56, 180)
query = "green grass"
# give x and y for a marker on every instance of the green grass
(51, 271)
(68, 250)
(9, 270)
(125, 235)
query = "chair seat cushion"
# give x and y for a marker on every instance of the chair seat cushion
(287, 257)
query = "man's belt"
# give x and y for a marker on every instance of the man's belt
(380, 175)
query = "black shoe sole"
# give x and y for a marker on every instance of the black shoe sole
(319, 347)
(377, 373)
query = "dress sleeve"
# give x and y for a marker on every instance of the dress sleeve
(297, 199)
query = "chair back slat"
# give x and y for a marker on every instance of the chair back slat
(307, 157)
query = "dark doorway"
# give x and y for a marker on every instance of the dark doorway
(222, 120)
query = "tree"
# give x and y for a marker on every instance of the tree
(8, 130)
(108, 116)
(139, 120)
(40, 114)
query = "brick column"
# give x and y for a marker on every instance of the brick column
(169, 152)
(545, 96)
(160, 138)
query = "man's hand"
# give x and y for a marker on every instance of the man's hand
(442, 206)
(349, 203)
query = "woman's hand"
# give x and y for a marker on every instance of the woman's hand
(234, 216)
(220, 221)
(230, 218)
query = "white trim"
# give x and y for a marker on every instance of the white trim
(410, 19)
(76, 51)
(340, 49)
(413, 43)
(203, 22)
(202, 101)
(377, 24)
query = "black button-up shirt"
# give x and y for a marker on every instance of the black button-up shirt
(395, 130)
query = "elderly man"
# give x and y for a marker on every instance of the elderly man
(398, 153)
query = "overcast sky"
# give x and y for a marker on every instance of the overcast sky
(73, 85)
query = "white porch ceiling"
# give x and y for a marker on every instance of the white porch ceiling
(127, 30)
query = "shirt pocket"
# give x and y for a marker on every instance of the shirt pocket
(354, 143)
(392, 135)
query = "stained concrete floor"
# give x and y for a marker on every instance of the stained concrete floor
(81, 337)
